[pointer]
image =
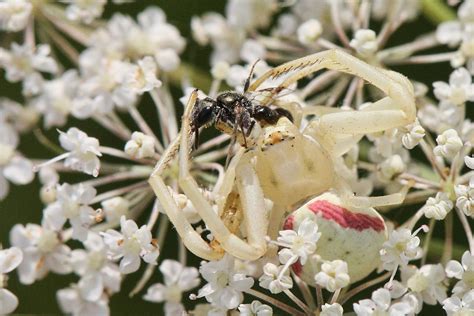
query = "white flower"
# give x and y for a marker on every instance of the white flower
(167, 59)
(177, 279)
(115, 207)
(456, 306)
(142, 77)
(220, 70)
(465, 199)
(84, 10)
(333, 276)
(334, 309)
(459, 90)
(415, 133)
(72, 302)
(365, 42)
(97, 273)
(56, 98)
(401, 247)
(438, 207)
(43, 251)
(255, 309)
(300, 244)
(14, 168)
(237, 76)
(9, 259)
(14, 15)
(25, 63)
(427, 282)
(380, 304)
(391, 167)
(225, 287)
(140, 146)
(83, 151)
(275, 278)
(309, 32)
(449, 144)
(464, 272)
(250, 14)
(252, 50)
(130, 245)
(72, 203)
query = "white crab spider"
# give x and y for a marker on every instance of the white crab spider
(287, 166)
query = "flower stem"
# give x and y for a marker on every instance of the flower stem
(364, 286)
(448, 238)
(284, 307)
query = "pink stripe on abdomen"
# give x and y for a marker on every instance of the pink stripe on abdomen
(346, 218)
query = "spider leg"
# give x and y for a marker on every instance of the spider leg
(252, 199)
(397, 109)
(190, 237)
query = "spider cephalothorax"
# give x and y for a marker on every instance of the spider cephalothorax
(233, 113)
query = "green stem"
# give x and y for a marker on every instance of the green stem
(437, 11)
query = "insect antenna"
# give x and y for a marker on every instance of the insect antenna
(247, 81)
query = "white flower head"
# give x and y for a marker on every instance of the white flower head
(401, 247)
(255, 309)
(85, 11)
(299, 244)
(96, 271)
(115, 207)
(334, 309)
(83, 151)
(391, 167)
(449, 144)
(365, 42)
(381, 304)
(465, 199)
(464, 272)
(333, 276)
(309, 32)
(415, 133)
(140, 146)
(130, 245)
(72, 203)
(460, 306)
(459, 90)
(220, 70)
(427, 282)
(142, 77)
(275, 278)
(72, 301)
(177, 279)
(56, 98)
(24, 63)
(438, 207)
(43, 251)
(252, 51)
(225, 286)
(14, 15)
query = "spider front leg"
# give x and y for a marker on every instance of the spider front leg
(251, 196)
(395, 110)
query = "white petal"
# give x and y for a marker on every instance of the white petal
(91, 287)
(129, 264)
(10, 259)
(19, 170)
(8, 302)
